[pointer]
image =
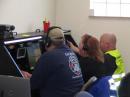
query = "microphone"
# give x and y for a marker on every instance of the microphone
(6, 27)
(5, 31)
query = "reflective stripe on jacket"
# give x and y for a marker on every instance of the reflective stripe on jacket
(119, 61)
(120, 70)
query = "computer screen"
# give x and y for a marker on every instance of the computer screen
(34, 53)
(21, 53)
(70, 38)
(7, 64)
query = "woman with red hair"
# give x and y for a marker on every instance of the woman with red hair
(91, 57)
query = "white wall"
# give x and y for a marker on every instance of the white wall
(74, 15)
(26, 15)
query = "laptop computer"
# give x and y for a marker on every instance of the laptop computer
(7, 64)
(11, 86)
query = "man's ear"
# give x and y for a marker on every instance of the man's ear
(51, 47)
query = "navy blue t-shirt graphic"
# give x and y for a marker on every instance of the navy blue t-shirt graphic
(57, 74)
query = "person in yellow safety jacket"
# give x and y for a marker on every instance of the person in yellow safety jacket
(113, 58)
(119, 71)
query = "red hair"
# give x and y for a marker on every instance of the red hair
(93, 47)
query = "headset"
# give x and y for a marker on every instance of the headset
(48, 40)
(85, 45)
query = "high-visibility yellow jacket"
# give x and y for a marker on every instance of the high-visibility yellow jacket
(120, 70)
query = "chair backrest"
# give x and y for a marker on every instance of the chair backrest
(83, 94)
(89, 83)
(11, 86)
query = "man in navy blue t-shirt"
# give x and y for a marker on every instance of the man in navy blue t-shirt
(57, 73)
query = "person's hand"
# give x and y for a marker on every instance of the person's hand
(73, 47)
(26, 74)
(70, 44)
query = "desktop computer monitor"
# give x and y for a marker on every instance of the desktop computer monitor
(21, 52)
(68, 37)
(7, 64)
(34, 53)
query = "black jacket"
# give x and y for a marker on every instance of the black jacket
(91, 67)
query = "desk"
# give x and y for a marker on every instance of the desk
(26, 48)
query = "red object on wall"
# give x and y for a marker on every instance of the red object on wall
(46, 25)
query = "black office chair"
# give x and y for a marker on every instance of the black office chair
(89, 83)
(86, 86)
(83, 94)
